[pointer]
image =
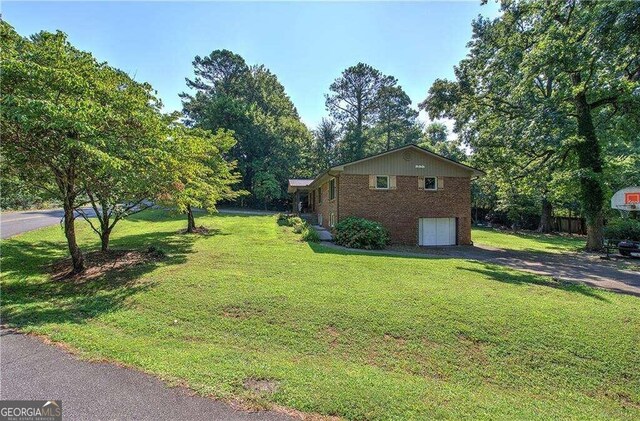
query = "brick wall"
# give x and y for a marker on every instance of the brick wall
(327, 206)
(399, 210)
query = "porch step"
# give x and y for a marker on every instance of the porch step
(311, 218)
(323, 233)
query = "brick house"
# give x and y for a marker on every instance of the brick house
(420, 197)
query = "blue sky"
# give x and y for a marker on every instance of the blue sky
(307, 45)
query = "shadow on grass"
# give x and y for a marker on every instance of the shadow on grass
(31, 298)
(494, 272)
(514, 277)
(552, 241)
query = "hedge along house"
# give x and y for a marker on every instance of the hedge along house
(420, 197)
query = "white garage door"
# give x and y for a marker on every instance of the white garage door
(437, 232)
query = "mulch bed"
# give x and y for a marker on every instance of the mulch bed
(99, 263)
(198, 230)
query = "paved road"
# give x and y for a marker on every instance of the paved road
(30, 369)
(12, 223)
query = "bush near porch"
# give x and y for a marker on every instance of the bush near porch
(360, 233)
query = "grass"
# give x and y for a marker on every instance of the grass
(336, 333)
(535, 242)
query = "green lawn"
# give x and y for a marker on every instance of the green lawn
(336, 333)
(549, 243)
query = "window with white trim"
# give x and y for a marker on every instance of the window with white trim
(332, 219)
(332, 189)
(431, 183)
(382, 182)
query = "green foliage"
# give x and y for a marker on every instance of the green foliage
(623, 229)
(310, 235)
(435, 139)
(326, 138)
(266, 187)
(373, 112)
(360, 233)
(17, 194)
(548, 94)
(85, 132)
(300, 226)
(251, 102)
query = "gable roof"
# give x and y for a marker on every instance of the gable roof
(296, 183)
(475, 171)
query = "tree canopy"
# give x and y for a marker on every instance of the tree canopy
(545, 89)
(373, 112)
(251, 102)
(86, 132)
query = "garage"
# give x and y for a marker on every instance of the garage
(437, 232)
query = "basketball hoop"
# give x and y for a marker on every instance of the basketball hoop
(626, 200)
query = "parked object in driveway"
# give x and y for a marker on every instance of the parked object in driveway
(629, 248)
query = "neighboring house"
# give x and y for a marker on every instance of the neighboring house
(420, 197)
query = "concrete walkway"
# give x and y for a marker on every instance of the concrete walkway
(323, 233)
(31, 369)
(589, 269)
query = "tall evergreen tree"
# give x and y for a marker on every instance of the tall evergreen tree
(395, 121)
(325, 149)
(251, 102)
(354, 102)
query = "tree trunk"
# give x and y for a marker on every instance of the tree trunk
(105, 231)
(191, 222)
(590, 162)
(546, 217)
(70, 232)
(104, 240)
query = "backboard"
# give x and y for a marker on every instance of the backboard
(627, 199)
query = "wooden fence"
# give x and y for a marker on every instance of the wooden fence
(570, 225)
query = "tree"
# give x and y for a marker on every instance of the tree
(135, 167)
(250, 101)
(549, 79)
(354, 101)
(202, 175)
(396, 123)
(325, 148)
(435, 139)
(266, 187)
(52, 117)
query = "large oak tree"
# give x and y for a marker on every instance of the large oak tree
(549, 80)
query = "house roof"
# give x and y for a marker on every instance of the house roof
(295, 184)
(298, 182)
(475, 171)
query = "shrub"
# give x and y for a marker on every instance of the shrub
(361, 233)
(285, 219)
(310, 234)
(623, 229)
(300, 226)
